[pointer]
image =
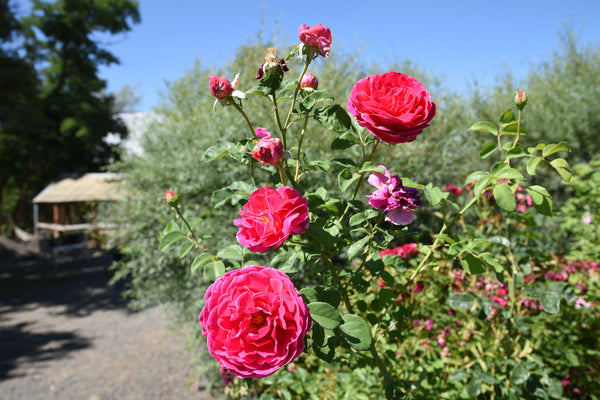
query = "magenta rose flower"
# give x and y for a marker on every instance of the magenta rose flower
(394, 107)
(254, 321)
(268, 150)
(398, 200)
(220, 87)
(271, 216)
(318, 36)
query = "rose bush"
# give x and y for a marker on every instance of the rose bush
(271, 216)
(254, 321)
(394, 107)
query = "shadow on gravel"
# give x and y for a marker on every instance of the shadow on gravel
(18, 344)
(28, 283)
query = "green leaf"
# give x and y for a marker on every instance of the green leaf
(185, 248)
(346, 140)
(516, 152)
(562, 167)
(502, 170)
(214, 270)
(357, 219)
(286, 93)
(532, 164)
(318, 95)
(284, 261)
(491, 260)
(347, 178)
(542, 200)
(356, 247)
(325, 315)
(344, 162)
(472, 264)
(519, 375)
(458, 375)
(505, 197)
(461, 301)
(487, 150)
(260, 90)
(555, 388)
(234, 252)
(473, 387)
(321, 236)
(200, 261)
(322, 165)
(550, 301)
(481, 185)
(169, 239)
(370, 166)
(475, 176)
(434, 195)
(333, 117)
(220, 149)
(484, 126)
(507, 117)
(356, 331)
(555, 148)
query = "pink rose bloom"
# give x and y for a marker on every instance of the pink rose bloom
(309, 81)
(268, 150)
(271, 216)
(499, 300)
(254, 321)
(317, 36)
(428, 324)
(398, 200)
(220, 87)
(394, 107)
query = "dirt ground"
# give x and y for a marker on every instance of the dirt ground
(64, 334)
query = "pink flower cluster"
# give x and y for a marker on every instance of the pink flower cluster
(399, 201)
(254, 320)
(403, 251)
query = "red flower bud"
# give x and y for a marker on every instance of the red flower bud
(171, 197)
(220, 87)
(268, 150)
(309, 81)
(317, 36)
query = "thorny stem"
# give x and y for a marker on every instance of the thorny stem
(437, 240)
(296, 177)
(241, 110)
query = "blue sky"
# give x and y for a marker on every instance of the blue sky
(462, 41)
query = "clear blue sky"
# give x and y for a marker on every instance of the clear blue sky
(462, 41)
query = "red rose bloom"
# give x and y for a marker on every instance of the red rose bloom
(270, 217)
(254, 321)
(220, 87)
(394, 107)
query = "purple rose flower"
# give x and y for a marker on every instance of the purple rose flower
(398, 200)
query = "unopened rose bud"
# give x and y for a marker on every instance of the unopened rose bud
(220, 87)
(309, 81)
(520, 99)
(262, 132)
(171, 197)
(268, 150)
(318, 36)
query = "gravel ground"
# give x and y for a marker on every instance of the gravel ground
(66, 335)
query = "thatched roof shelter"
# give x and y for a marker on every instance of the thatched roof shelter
(70, 191)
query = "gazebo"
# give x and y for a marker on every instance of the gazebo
(73, 200)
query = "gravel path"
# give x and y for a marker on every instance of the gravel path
(72, 337)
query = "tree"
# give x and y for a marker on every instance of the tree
(75, 113)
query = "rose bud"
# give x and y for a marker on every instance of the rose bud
(220, 87)
(171, 197)
(309, 81)
(268, 150)
(318, 36)
(520, 99)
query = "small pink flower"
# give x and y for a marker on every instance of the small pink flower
(318, 36)
(587, 219)
(270, 217)
(309, 81)
(428, 324)
(220, 87)
(441, 341)
(445, 352)
(254, 321)
(398, 200)
(419, 287)
(416, 323)
(456, 190)
(262, 133)
(425, 343)
(580, 303)
(268, 150)
(499, 300)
